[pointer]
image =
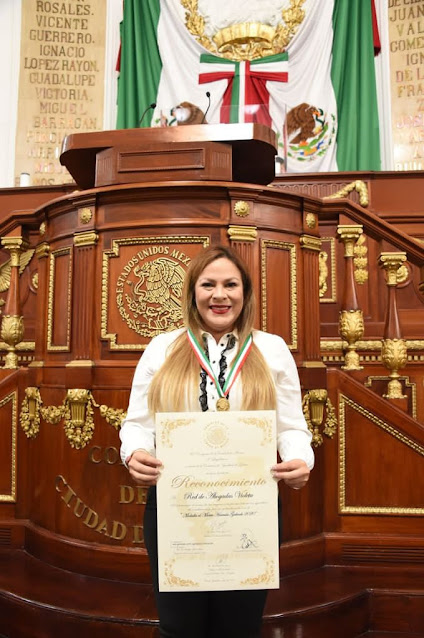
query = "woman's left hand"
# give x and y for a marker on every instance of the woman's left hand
(294, 473)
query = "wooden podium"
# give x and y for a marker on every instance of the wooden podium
(229, 152)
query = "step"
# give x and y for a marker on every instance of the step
(39, 600)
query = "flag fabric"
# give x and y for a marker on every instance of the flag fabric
(246, 98)
(320, 93)
(353, 76)
(139, 61)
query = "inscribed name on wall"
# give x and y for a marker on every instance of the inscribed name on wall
(406, 33)
(60, 83)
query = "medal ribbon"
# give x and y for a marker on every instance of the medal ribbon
(206, 365)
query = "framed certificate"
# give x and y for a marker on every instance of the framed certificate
(217, 501)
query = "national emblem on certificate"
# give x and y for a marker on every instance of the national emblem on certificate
(217, 501)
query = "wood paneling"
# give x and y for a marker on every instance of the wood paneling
(77, 509)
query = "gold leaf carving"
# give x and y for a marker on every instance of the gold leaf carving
(323, 273)
(245, 40)
(360, 260)
(77, 410)
(5, 269)
(315, 404)
(113, 416)
(30, 412)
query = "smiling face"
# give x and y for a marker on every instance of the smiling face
(219, 296)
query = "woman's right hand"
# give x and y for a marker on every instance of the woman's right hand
(144, 468)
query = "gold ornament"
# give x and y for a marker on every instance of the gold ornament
(359, 186)
(360, 261)
(76, 410)
(113, 416)
(30, 412)
(311, 220)
(394, 356)
(314, 404)
(222, 405)
(351, 328)
(85, 215)
(241, 208)
(12, 332)
(245, 40)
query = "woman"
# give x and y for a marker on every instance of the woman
(218, 311)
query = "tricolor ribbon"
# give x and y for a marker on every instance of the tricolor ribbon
(206, 364)
(246, 98)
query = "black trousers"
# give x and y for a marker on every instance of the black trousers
(220, 614)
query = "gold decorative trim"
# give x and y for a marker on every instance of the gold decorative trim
(42, 250)
(42, 229)
(242, 233)
(114, 252)
(30, 412)
(314, 404)
(311, 220)
(241, 208)
(13, 397)
(402, 274)
(77, 411)
(22, 345)
(86, 239)
(265, 577)
(323, 272)
(310, 242)
(408, 384)
(391, 262)
(394, 356)
(80, 363)
(369, 346)
(351, 328)
(349, 235)
(359, 186)
(16, 245)
(245, 40)
(12, 331)
(53, 256)
(171, 578)
(291, 248)
(348, 509)
(309, 365)
(85, 215)
(360, 261)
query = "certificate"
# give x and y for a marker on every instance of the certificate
(217, 501)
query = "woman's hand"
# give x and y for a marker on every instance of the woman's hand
(144, 468)
(294, 473)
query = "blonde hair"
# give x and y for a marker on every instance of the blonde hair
(175, 386)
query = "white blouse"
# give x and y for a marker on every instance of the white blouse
(293, 436)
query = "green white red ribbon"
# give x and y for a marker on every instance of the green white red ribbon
(246, 98)
(206, 364)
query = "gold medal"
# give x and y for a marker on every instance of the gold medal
(222, 405)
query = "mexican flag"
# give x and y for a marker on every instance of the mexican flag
(319, 94)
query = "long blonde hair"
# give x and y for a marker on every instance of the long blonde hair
(175, 386)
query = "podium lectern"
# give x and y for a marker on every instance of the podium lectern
(214, 152)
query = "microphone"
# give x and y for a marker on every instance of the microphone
(151, 106)
(208, 95)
